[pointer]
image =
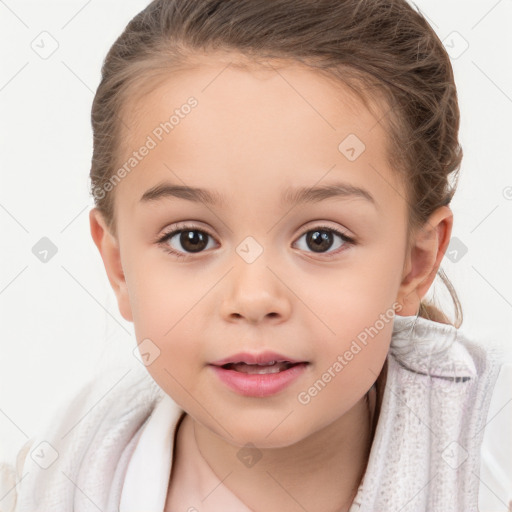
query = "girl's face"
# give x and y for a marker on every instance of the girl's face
(259, 266)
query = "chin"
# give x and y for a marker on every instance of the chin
(264, 433)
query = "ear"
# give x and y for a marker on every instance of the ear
(423, 259)
(108, 246)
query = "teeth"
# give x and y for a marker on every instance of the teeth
(270, 363)
(263, 369)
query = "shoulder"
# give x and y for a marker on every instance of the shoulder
(442, 351)
(101, 418)
(7, 487)
(440, 364)
(438, 389)
(115, 395)
(496, 468)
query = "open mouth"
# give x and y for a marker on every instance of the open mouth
(270, 367)
(258, 375)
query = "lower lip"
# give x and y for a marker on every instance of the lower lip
(259, 384)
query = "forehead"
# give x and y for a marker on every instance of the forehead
(226, 76)
(249, 119)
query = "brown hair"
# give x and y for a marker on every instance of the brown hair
(381, 49)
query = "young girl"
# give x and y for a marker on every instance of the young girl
(272, 188)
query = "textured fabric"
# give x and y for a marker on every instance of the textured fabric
(496, 467)
(426, 451)
(425, 454)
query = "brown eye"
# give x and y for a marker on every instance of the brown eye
(193, 240)
(321, 239)
(185, 241)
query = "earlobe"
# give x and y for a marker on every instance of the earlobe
(424, 259)
(108, 246)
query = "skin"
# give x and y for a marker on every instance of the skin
(253, 133)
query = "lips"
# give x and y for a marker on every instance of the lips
(266, 358)
(261, 369)
(258, 375)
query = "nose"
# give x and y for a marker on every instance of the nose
(255, 293)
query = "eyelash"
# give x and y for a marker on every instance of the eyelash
(188, 227)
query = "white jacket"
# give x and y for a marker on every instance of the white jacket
(425, 455)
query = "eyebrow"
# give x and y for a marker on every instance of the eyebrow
(291, 195)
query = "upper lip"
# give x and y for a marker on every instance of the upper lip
(259, 358)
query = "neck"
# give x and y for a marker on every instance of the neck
(321, 472)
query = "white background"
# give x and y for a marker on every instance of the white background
(59, 319)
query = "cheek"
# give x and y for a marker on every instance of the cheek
(348, 369)
(165, 316)
(159, 299)
(179, 359)
(343, 302)
(162, 314)
(369, 283)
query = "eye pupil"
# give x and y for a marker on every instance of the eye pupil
(193, 240)
(320, 240)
